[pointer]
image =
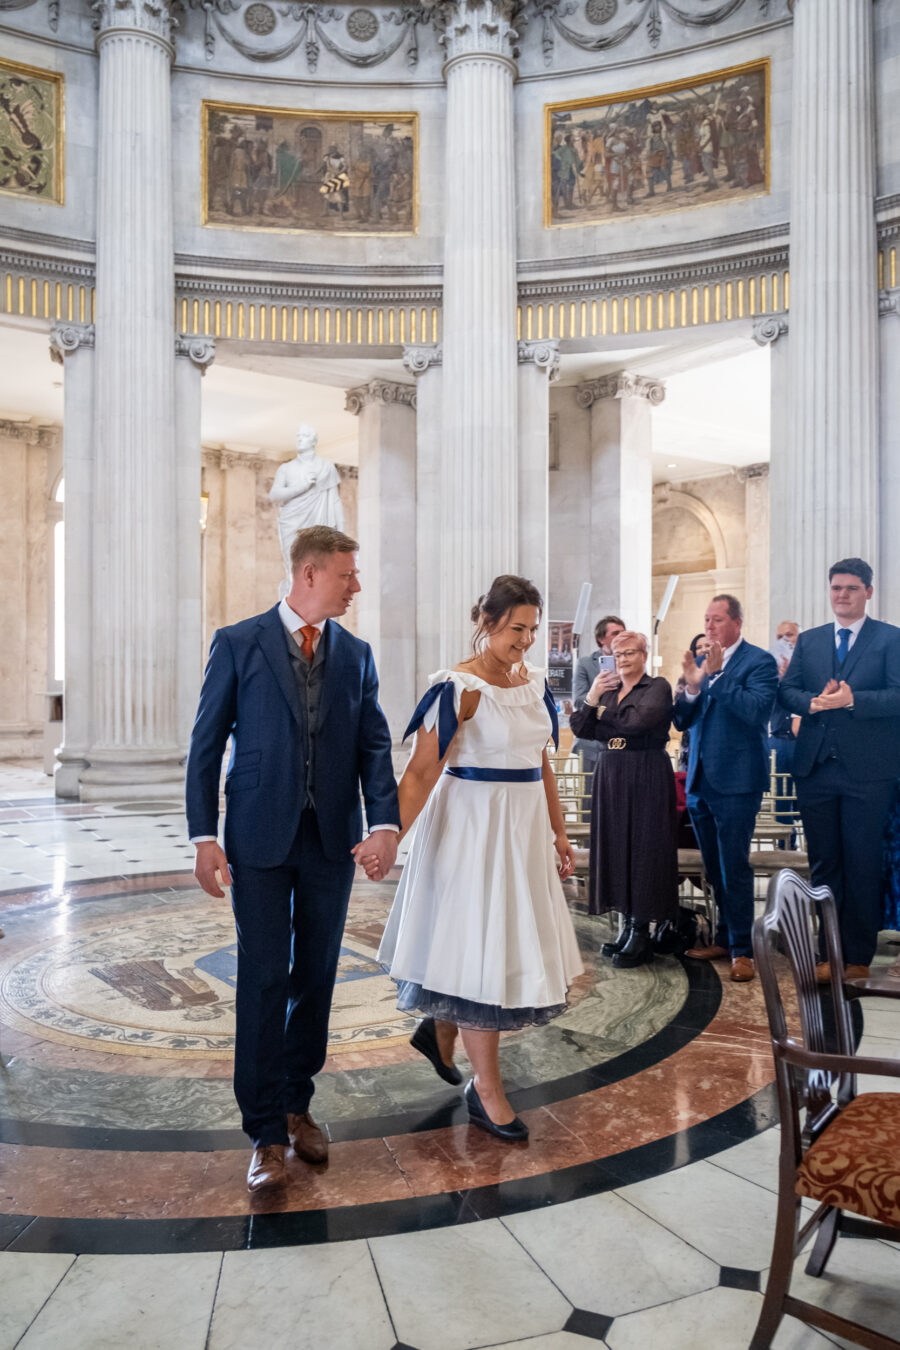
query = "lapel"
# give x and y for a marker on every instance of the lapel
(864, 640)
(271, 637)
(333, 657)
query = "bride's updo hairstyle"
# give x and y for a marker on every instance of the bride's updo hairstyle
(505, 594)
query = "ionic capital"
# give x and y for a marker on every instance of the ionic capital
(200, 351)
(750, 471)
(66, 338)
(544, 352)
(889, 302)
(475, 28)
(621, 384)
(379, 391)
(419, 359)
(769, 330)
(150, 18)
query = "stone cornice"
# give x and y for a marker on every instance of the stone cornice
(43, 437)
(200, 351)
(66, 338)
(418, 359)
(380, 391)
(621, 384)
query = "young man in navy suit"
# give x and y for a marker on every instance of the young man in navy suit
(298, 695)
(844, 684)
(727, 705)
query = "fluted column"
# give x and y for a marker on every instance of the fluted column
(387, 539)
(834, 303)
(479, 521)
(72, 346)
(135, 751)
(888, 574)
(425, 363)
(538, 368)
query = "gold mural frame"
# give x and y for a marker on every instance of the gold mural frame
(208, 106)
(761, 65)
(57, 78)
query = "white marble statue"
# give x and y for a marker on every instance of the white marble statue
(306, 489)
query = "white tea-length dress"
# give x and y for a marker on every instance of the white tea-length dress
(479, 932)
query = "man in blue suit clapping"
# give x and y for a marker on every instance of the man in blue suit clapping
(298, 695)
(727, 705)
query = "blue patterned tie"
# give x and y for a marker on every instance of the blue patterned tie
(844, 636)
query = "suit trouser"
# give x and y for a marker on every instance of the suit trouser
(844, 821)
(290, 920)
(723, 824)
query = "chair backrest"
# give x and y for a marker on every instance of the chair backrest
(792, 907)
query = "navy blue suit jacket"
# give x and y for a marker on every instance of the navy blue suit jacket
(728, 722)
(866, 738)
(249, 693)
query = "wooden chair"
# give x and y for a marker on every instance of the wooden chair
(846, 1157)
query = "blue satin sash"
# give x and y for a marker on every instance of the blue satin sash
(447, 721)
(476, 775)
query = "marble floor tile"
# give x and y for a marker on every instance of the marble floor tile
(608, 1257)
(474, 1285)
(556, 1340)
(727, 1218)
(879, 1022)
(138, 1302)
(754, 1159)
(882, 1047)
(861, 1281)
(305, 1298)
(26, 1282)
(720, 1318)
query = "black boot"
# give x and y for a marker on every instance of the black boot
(638, 950)
(613, 948)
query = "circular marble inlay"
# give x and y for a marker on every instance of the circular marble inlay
(600, 11)
(362, 25)
(260, 19)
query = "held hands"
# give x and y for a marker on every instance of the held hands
(376, 854)
(211, 868)
(833, 696)
(566, 864)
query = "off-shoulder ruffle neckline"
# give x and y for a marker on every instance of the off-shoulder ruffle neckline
(516, 693)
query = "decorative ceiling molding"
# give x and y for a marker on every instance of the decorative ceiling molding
(649, 13)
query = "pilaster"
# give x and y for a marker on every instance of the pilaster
(425, 363)
(538, 369)
(887, 578)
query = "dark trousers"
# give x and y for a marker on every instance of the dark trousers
(290, 920)
(723, 824)
(844, 821)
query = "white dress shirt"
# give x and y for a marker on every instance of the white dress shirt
(854, 631)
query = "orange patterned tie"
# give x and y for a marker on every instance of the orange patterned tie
(307, 648)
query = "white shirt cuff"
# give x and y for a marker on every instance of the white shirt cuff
(692, 698)
(395, 829)
(204, 839)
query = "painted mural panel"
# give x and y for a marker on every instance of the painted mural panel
(31, 132)
(690, 143)
(335, 173)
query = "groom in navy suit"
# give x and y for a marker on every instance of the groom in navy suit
(844, 683)
(298, 695)
(727, 705)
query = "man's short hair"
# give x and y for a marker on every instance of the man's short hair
(603, 624)
(735, 608)
(854, 567)
(316, 542)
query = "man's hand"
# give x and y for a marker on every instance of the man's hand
(693, 675)
(376, 854)
(210, 861)
(715, 658)
(833, 696)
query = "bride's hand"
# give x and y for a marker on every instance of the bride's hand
(566, 864)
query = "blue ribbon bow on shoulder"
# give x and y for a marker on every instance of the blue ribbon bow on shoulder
(550, 704)
(447, 721)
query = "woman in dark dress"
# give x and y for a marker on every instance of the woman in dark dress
(634, 818)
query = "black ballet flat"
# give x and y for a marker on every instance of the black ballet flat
(515, 1132)
(424, 1039)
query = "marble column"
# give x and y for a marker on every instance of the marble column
(755, 478)
(239, 466)
(478, 486)
(833, 424)
(784, 474)
(538, 368)
(387, 539)
(134, 752)
(887, 576)
(621, 494)
(193, 357)
(425, 363)
(72, 346)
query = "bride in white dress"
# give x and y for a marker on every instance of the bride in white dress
(479, 937)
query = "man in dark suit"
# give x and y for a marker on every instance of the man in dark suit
(298, 695)
(844, 683)
(586, 671)
(727, 704)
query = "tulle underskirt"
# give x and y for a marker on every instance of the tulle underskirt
(468, 1014)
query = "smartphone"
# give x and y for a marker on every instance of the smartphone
(608, 663)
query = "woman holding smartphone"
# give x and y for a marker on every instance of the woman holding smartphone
(634, 816)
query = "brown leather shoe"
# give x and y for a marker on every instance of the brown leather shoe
(307, 1140)
(711, 953)
(266, 1168)
(742, 969)
(856, 972)
(823, 973)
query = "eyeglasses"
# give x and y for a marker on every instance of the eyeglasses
(632, 651)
